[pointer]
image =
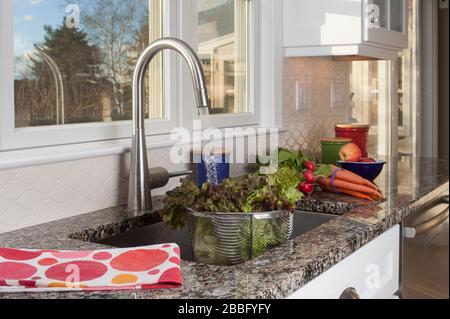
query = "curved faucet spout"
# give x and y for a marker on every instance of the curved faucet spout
(152, 50)
(139, 196)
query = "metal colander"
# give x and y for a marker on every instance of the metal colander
(234, 238)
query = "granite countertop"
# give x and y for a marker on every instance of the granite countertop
(407, 185)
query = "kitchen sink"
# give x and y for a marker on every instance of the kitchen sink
(160, 233)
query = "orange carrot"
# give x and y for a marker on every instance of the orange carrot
(352, 178)
(356, 194)
(352, 193)
(376, 199)
(350, 187)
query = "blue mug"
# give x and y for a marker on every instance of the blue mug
(213, 169)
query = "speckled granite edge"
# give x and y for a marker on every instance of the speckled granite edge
(276, 274)
(98, 232)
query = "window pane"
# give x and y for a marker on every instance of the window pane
(409, 83)
(370, 101)
(74, 59)
(223, 33)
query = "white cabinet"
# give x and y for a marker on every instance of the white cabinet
(372, 272)
(373, 28)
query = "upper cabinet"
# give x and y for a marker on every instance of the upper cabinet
(368, 28)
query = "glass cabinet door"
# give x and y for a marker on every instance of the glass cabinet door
(386, 23)
(396, 13)
(388, 14)
(381, 14)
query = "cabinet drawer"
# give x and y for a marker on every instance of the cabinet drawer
(372, 272)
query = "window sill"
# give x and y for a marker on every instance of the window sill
(65, 153)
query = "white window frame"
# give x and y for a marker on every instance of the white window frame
(188, 19)
(265, 84)
(22, 138)
(252, 116)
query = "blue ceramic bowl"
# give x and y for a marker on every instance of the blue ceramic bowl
(369, 171)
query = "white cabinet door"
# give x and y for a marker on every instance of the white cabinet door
(321, 23)
(372, 272)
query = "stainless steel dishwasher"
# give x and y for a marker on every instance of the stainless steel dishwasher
(426, 251)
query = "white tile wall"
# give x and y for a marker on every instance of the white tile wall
(39, 194)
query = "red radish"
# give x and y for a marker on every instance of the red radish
(310, 166)
(309, 176)
(306, 188)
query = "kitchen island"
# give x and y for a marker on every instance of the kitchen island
(407, 185)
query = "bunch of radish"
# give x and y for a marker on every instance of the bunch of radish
(307, 187)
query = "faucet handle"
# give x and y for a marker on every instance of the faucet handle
(180, 174)
(159, 176)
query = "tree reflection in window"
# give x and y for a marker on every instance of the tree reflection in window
(95, 61)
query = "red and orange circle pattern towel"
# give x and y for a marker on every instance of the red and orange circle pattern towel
(150, 267)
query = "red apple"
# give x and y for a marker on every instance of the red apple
(350, 153)
(367, 160)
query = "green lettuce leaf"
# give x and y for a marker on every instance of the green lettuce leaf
(323, 171)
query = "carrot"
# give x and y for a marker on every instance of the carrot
(352, 193)
(350, 187)
(352, 178)
(376, 199)
(356, 194)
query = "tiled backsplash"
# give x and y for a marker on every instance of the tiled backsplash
(323, 100)
(39, 194)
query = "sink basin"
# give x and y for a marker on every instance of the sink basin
(160, 233)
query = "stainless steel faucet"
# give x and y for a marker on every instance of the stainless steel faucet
(139, 196)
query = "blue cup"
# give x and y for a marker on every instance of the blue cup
(218, 166)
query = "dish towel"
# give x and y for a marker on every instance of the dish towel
(149, 267)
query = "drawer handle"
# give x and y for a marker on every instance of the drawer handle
(350, 293)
